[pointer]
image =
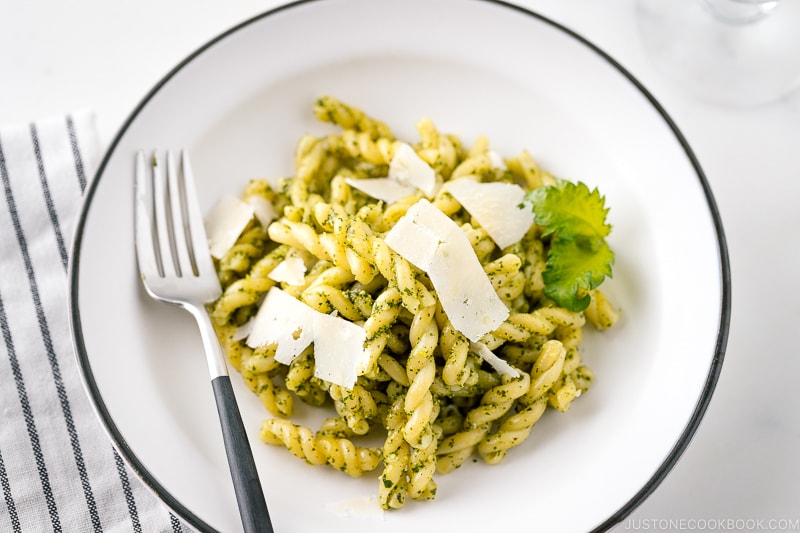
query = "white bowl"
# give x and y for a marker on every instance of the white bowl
(240, 103)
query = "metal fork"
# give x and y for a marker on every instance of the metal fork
(176, 267)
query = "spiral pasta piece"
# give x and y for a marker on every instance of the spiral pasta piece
(393, 481)
(309, 157)
(422, 467)
(481, 242)
(459, 447)
(329, 109)
(363, 145)
(601, 313)
(257, 368)
(395, 211)
(238, 260)
(301, 381)
(339, 453)
(377, 326)
(326, 299)
(526, 170)
(473, 167)
(335, 426)
(516, 428)
(455, 449)
(248, 290)
(421, 369)
(546, 371)
(455, 349)
(564, 393)
(506, 278)
(545, 320)
(437, 150)
(356, 407)
(513, 432)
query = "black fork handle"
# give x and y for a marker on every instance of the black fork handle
(249, 495)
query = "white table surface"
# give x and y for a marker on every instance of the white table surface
(744, 462)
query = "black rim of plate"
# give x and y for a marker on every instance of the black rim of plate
(193, 520)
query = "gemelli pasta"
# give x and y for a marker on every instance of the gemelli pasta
(422, 384)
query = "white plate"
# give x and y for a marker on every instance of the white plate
(475, 67)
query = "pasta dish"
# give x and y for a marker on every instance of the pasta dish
(424, 291)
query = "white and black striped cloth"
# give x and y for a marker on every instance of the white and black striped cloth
(58, 470)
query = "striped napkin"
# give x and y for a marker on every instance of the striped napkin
(58, 470)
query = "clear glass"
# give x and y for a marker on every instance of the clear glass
(735, 52)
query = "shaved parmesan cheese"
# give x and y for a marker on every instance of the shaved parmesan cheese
(502, 367)
(386, 189)
(225, 223)
(407, 168)
(285, 321)
(497, 161)
(243, 331)
(263, 210)
(291, 270)
(339, 353)
(408, 172)
(413, 240)
(433, 242)
(495, 205)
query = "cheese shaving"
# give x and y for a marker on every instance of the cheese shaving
(339, 353)
(434, 243)
(291, 270)
(263, 210)
(500, 365)
(243, 331)
(408, 172)
(496, 160)
(225, 223)
(407, 168)
(495, 205)
(285, 321)
(387, 189)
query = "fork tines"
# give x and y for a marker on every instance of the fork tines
(170, 235)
